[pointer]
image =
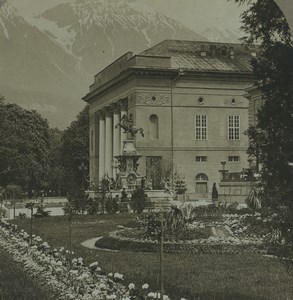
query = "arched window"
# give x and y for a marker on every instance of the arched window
(154, 127)
(201, 177)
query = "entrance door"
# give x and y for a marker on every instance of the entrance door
(153, 171)
(201, 189)
(201, 186)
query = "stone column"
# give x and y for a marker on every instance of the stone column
(116, 138)
(109, 142)
(101, 144)
(123, 107)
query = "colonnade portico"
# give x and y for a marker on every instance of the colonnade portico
(110, 138)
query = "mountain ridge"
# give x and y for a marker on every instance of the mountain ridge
(48, 60)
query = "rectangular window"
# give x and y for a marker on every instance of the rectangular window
(233, 127)
(233, 158)
(201, 158)
(201, 132)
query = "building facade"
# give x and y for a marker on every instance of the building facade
(188, 98)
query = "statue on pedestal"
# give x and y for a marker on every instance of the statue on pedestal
(127, 124)
(128, 161)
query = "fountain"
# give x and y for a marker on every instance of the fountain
(128, 160)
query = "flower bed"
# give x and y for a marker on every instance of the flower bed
(62, 276)
(117, 240)
(189, 234)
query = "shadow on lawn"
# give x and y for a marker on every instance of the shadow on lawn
(222, 296)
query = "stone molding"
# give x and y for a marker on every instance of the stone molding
(153, 99)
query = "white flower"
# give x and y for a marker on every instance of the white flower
(94, 264)
(110, 274)
(152, 295)
(102, 286)
(131, 286)
(118, 275)
(145, 286)
(95, 293)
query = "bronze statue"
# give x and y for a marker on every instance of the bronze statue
(127, 125)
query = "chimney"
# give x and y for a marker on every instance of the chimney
(231, 52)
(202, 51)
(213, 49)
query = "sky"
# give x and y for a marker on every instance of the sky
(195, 14)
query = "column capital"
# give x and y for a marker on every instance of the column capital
(116, 108)
(108, 110)
(100, 114)
(123, 103)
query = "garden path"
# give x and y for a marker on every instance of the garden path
(221, 232)
(90, 244)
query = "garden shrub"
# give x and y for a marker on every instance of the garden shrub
(138, 200)
(111, 205)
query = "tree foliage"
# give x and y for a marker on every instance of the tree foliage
(24, 137)
(56, 171)
(75, 153)
(271, 139)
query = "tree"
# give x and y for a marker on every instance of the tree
(271, 139)
(75, 153)
(24, 137)
(56, 171)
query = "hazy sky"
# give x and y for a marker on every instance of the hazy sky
(196, 14)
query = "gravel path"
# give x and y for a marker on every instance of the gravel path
(90, 244)
(221, 232)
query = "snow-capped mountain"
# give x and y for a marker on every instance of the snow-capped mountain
(99, 31)
(35, 72)
(48, 60)
(218, 34)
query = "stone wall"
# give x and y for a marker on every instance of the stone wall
(234, 191)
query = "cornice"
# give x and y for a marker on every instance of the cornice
(165, 73)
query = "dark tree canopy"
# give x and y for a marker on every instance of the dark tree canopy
(271, 140)
(75, 152)
(24, 137)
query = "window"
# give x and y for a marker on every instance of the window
(200, 158)
(154, 127)
(233, 127)
(200, 100)
(201, 127)
(233, 158)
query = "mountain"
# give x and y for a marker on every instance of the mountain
(100, 31)
(48, 61)
(218, 34)
(37, 73)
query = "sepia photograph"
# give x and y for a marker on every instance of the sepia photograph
(146, 150)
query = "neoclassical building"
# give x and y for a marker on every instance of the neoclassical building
(188, 97)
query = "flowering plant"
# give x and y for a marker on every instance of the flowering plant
(66, 279)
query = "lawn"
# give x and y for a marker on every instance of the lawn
(208, 276)
(14, 283)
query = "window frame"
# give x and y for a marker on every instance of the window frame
(231, 158)
(201, 158)
(201, 129)
(233, 131)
